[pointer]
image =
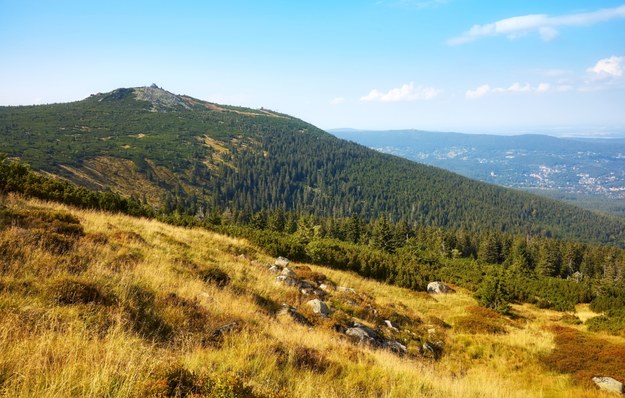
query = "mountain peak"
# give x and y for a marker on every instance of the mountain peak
(161, 100)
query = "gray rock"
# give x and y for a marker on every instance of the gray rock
(360, 334)
(439, 288)
(282, 262)
(344, 289)
(434, 349)
(319, 307)
(390, 325)
(288, 311)
(364, 334)
(307, 291)
(609, 384)
(287, 280)
(306, 285)
(275, 269)
(327, 287)
(288, 272)
(395, 346)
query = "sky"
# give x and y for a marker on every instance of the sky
(504, 67)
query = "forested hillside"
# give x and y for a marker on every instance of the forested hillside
(180, 154)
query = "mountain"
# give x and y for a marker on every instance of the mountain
(193, 156)
(584, 171)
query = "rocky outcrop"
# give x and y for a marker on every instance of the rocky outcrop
(160, 99)
(609, 384)
(366, 335)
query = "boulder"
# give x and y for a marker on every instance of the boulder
(364, 334)
(290, 312)
(274, 269)
(439, 288)
(288, 272)
(282, 262)
(319, 307)
(395, 346)
(287, 280)
(609, 384)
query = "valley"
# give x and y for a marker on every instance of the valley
(586, 172)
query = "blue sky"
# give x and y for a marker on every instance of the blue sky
(461, 65)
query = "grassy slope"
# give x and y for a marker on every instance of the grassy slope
(152, 315)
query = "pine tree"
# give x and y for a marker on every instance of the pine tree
(493, 293)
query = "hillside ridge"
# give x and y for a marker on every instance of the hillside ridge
(191, 156)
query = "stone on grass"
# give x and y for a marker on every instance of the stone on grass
(290, 312)
(439, 288)
(609, 384)
(287, 280)
(288, 272)
(319, 307)
(327, 287)
(282, 262)
(344, 289)
(390, 325)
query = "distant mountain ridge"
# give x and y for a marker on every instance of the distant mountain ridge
(192, 156)
(568, 166)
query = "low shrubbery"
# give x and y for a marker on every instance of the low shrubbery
(585, 356)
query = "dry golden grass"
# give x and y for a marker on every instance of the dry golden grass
(133, 307)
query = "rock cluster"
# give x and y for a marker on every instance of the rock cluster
(315, 285)
(366, 335)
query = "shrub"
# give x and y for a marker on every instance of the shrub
(143, 315)
(215, 276)
(571, 319)
(482, 321)
(70, 291)
(175, 382)
(613, 322)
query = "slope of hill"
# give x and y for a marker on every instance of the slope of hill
(583, 171)
(94, 304)
(189, 155)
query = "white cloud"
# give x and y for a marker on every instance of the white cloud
(543, 88)
(517, 87)
(407, 92)
(548, 33)
(563, 88)
(478, 92)
(543, 24)
(337, 101)
(608, 67)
